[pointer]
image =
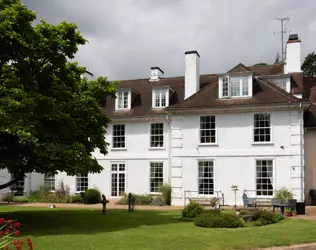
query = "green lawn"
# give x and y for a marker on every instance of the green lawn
(88, 229)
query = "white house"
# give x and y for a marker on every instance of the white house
(203, 134)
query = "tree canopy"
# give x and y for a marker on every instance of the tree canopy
(50, 117)
(309, 65)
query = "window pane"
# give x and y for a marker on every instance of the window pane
(118, 179)
(207, 129)
(225, 86)
(262, 128)
(206, 177)
(82, 182)
(264, 177)
(156, 135)
(244, 86)
(49, 181)
(119, 136)
(235, 86)
(156, 176)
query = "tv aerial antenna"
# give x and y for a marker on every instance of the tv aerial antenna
(283, 31)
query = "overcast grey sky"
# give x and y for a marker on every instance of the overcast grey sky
(127, 37)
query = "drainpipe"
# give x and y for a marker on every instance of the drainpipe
(301, 154)
(169, 148)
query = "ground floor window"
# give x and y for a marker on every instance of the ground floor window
(118, 179)
(206, 177)
(82, 182)
(49, 181)
(264, 177)
(156, 176)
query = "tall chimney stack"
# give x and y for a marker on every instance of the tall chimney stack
(192, 73)
(293, 55)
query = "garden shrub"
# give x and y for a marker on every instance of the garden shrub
(92, 196)
(76, 198)
(7, 197)
(218, 220)
(268, 217)
(165, 190)
(157, 201)
(144, 199)
(20, 199)
(192, 210)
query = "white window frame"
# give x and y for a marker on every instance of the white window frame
(150, 177)
(120, 94)
(273, 176)
(198, 178)
(254, 129)
(114, 146)
(80, 178)
(200, 131)
(152, 136)
(117, 172)
(50, 181)
(228, 94)
(160, 92)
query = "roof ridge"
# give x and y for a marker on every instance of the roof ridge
(278, 90)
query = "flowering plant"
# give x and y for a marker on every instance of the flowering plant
(11, 228)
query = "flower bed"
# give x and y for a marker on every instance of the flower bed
(8, 231)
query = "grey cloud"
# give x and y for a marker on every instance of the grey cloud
(126, 38)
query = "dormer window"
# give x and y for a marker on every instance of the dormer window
(123, 100)
(160, 98)
(235, 86)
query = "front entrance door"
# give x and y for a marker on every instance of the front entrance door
(118, 179)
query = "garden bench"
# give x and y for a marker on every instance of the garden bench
(205, 201)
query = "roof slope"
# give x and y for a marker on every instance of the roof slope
(142, 103)
(264, 92)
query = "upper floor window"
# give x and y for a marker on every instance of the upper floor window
(262, 128)
(207, 130)
(118, 136)
(156, 135)
(235, 86)
(160, 98)
(122, 100)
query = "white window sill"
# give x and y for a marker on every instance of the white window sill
(123, 109)
(262, 144)
(208, 145)
(158, 108)
(154, 193)
(118, 149)
(157, 148)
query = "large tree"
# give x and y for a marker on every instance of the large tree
(309, 65)
(50, 117)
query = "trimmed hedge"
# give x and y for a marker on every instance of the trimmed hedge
(192, 210)
(218, 220)
(92, 196)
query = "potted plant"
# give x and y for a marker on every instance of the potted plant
(294, 212)
(283, 197)
(287, 212)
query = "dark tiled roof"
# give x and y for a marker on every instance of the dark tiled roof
(264, 92)
(142, 89)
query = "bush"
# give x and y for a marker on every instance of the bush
(166, 193)
(157, 201)
(62, 190)
(267, 217)
(218, 220)
(192, 210)
(92, 196)
(76, 198)
(284, 194)
(20, 199)
(7, 197)
(145, 199)
(260, 217)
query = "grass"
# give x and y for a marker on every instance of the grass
(53, 229)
